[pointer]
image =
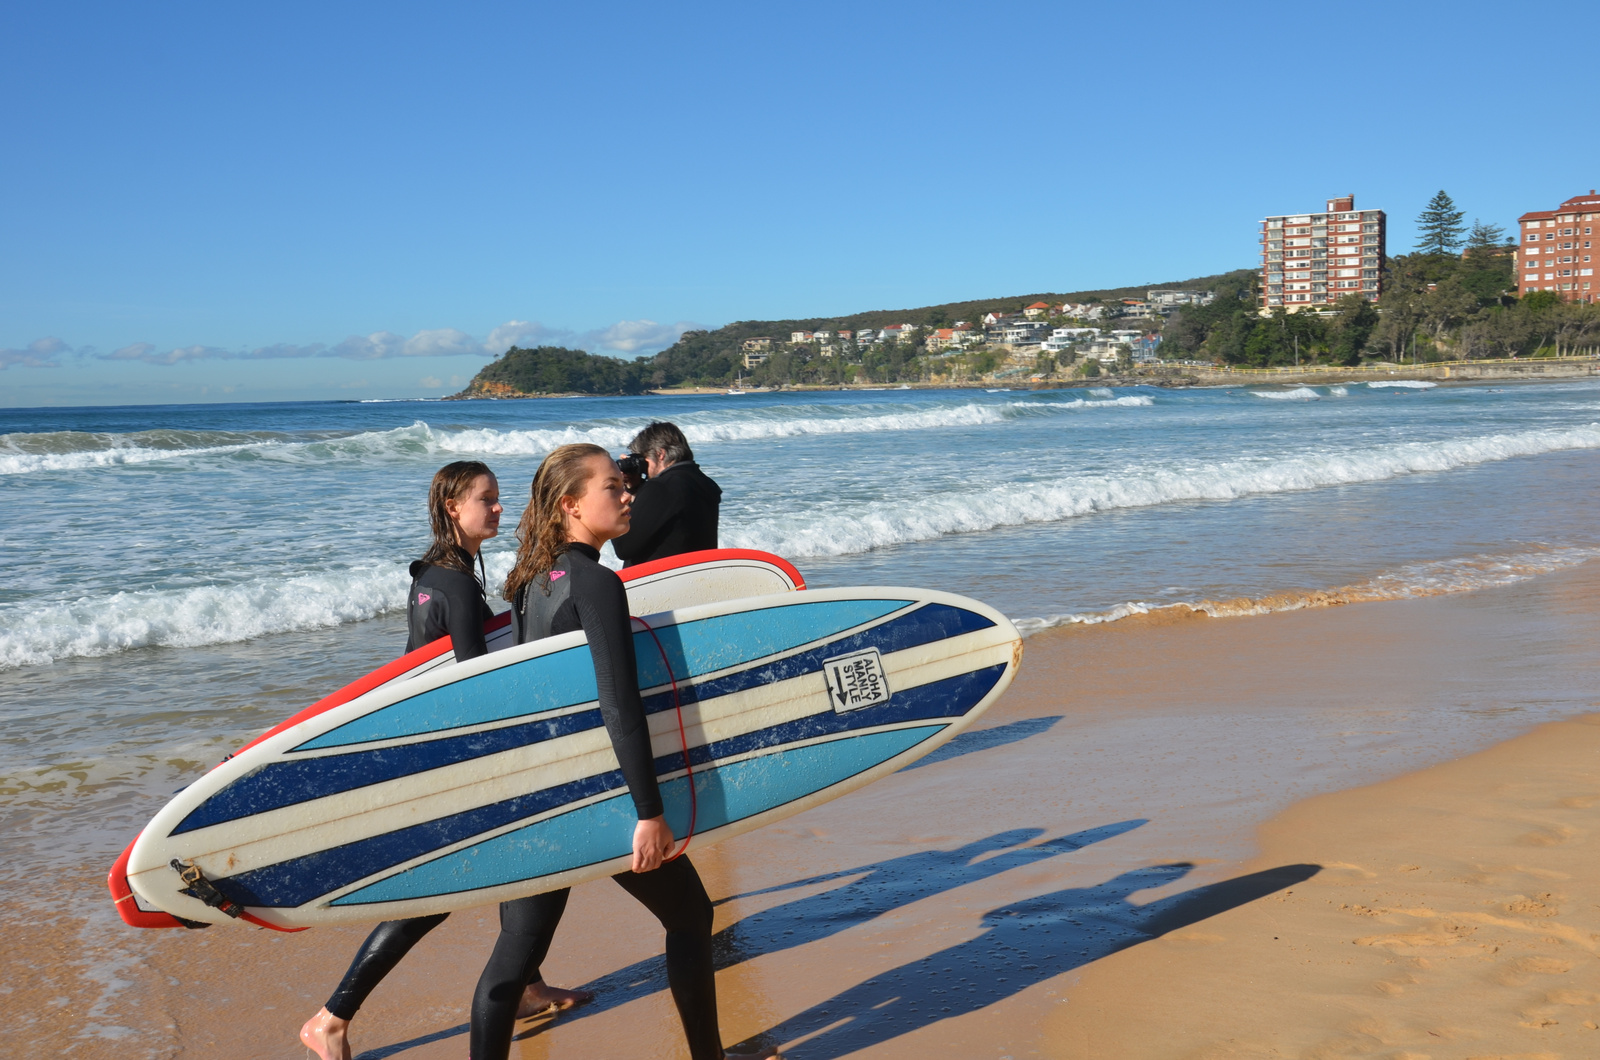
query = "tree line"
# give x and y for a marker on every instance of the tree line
(1452, 298)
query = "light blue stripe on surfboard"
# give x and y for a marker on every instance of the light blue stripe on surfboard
(567, 677)
(604, 830)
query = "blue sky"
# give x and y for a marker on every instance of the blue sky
(222, 202)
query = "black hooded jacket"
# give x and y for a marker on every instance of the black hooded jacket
(673, 513)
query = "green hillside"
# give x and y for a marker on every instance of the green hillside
(715, 358)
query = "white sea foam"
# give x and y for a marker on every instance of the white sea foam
(22, 454)
(1338, 391)
(825, 530)
(36, 630)
(34, 633)
(1303, 393)
(1432, 578)
(1409, 384)
(212, 614)
(1127, 401)
(1101, 392)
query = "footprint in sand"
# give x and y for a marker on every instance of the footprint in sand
(1543, 905)
(1547, 837)
(1516, 973)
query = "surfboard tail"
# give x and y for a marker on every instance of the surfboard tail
(128, 907)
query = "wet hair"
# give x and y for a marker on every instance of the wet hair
(661, 435)
(451, 483)
(542, 531)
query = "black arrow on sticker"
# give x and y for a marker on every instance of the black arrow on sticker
(839, 676)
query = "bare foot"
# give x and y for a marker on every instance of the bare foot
(327, 1035)
(542, 997)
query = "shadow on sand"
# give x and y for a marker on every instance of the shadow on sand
(1021, 943)
(983, 739)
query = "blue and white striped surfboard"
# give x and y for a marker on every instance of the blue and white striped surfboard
(495, 778)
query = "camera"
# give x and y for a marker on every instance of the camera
(634, 466)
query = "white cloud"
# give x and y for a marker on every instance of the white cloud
(283, 349)
(36, 354)
(430, 382)
(369, 347)
(522, 333)
(441, 342)
(628, 338)
(146, 352)
(635, 336)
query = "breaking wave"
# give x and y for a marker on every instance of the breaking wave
(208, 614)
(824, 531)
(1408, 384)
(72, 451)
(1303, 393)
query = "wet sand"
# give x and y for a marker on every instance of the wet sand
(1456, 913)
(1048, 886)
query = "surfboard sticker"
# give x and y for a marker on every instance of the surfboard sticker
(857, 680)
(495, 778)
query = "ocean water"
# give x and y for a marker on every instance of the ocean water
(177, 578)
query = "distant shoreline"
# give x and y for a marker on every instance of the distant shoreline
(1519, 370)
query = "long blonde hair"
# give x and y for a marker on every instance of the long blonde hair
(542, 531)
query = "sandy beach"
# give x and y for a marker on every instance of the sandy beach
(1176, 836)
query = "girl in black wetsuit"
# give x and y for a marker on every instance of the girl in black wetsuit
(446, 600)
(579, 502)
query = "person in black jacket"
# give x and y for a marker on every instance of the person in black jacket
(446, 599)
(675, 508)
(579, 501)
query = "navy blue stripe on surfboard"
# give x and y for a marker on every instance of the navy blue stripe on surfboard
(279, 784)
(295, 882)
(601, 831)
(566, 678)
(913, 703)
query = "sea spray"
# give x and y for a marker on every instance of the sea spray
(1303, 393)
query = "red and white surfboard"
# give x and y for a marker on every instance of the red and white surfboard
(694, 578)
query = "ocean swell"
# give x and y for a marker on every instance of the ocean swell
(34, 633)
(68, 451)
(830, 531)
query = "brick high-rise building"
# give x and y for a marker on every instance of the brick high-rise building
(1554, 254)
(1310, 260)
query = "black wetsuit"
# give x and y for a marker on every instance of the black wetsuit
(673, 513)
(443, 602)
(581, 594)
(446, 602)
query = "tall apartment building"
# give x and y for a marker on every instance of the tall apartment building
(1310, 260)
(1555, 254)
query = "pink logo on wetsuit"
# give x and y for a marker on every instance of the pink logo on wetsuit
(423, 598)
(557, 574)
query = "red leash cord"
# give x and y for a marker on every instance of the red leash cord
(683, 737)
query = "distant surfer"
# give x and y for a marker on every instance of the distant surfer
(579, 501)
(446, 599)
(675, 504)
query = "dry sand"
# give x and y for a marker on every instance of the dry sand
(1085, 879)
(1455, 913)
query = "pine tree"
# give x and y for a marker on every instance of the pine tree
(1484, 235)
(1440, 226)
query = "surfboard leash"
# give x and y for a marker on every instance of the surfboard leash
(683, 737)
